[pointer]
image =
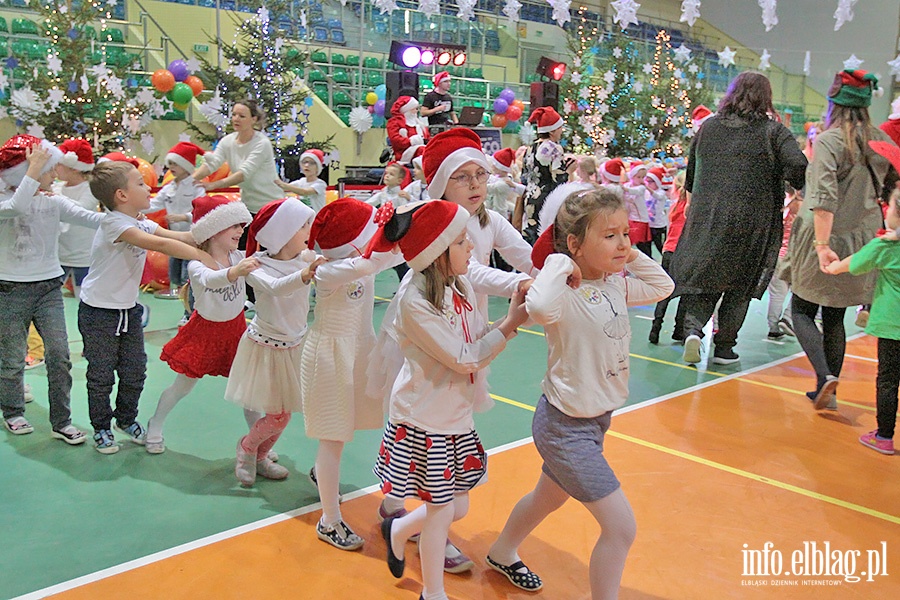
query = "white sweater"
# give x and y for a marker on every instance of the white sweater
(282, 302)
(256, 160)
(75, 240)
(588, 332)
(177, 197)
(216, 298)
(29, 232)
(636, 203)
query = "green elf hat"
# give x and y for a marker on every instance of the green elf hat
(854, 88)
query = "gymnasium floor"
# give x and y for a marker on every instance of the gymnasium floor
(715, 463)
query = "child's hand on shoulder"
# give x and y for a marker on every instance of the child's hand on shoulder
(245, 266)
(524, 286)
(632, 255)
(574, 278)
(516, 315)
(309, 272)
(177, 219)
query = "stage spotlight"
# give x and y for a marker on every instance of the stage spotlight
(427, 57)
(550, 68)
(405, 54)
(443, 58)
(460, 59)
(411, 57)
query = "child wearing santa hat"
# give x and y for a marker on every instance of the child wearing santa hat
(176, 198)
(503, 190)
(337, 349)
(657, 205)
(265, 374)
(698, 116)
(206, 345)
(30, 277)
(636, 200)
(543, 168)
(310, 187)
(430, 450)
(74, 240)
(418, 189)
(406, 132)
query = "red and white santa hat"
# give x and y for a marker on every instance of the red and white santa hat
(439, 77)
(612, 169)
(448, 151)
(276, 223)
(316, 155)
(118, 157)
(213, 214)
(545, 119)
(422, 230)
(404, 104)
(184, 154)
(342, 226)
(13, 165)
(635, 168)
(417, 157)
(77, 154)
(700, 114)
(658, 176)
(503, 160)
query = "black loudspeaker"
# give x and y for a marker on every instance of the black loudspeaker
(544, 93)
(399, 83)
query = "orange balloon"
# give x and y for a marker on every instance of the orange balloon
(148, 173)
(195, 84)
(222, 173)
(163, 80)
(518, 103)
(156, 270)
(499, 121)
(167, 178)
(159, 217)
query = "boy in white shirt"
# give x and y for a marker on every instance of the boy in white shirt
(396, 177)
(502, 189)
(309, 187)
(176, 197)
(418, 189)
(30, 281)
(75, 240)
(109, 317)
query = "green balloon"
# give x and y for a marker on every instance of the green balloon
(182, 93)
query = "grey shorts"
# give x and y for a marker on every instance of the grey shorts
(572, 450)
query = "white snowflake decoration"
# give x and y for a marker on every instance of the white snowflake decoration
(430, 8)
(617, 52)
(193, 64)
(466, 9)
(576, 77)
(853, 63)
(527, 134)
(682, 53)
(647, 68)
(560, 11)
(241, 71)
(609, 77)
(626, 12)
(602, 108)
(653, 120)
(386, 6)
(690, 12)
(263, 15)
(212, 109)
(54, 64)
(844, 13)
(148, 143)
(693, 68)
(289, 133)
(894, 65)
(769, 18)
(25, 99)
(764, 64)
(184, 137)
(4, 80)
(585, 93)
(35, 130)
(638, 87)
(511, 10)
(726, 56)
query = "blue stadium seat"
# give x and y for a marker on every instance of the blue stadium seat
(337, 35)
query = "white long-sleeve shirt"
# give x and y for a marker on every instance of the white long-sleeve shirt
(177, 197)
(282, 302)
(387, 194)
(256, 160)
(588, 332)
(29, 232)
(501, 197)
(216, 298)
(636, 203)
(657, 207)
(75, 240)
(442, 372)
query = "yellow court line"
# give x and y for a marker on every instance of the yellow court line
(753, 476)
(512, 402)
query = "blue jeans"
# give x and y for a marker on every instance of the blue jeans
(113, 345)
(40, 302)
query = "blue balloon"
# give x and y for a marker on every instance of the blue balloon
(508, 95)
(500, 106)
(381, 91)
(377, 121)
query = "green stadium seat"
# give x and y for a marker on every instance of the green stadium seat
(3, 26)
(374, 78)
(319, 57)
(338, 59)
(343, 113)
(352, 60)
(112, 35)
(341, 98)
(370, 62)
(341, 76)
(316, 75)
(25, 26)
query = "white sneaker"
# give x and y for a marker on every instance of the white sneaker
(29, 397)
(266, 468)
(692, 349)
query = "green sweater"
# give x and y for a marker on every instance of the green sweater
(883, 256)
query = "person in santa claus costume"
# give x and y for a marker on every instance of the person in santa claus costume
(405, 130)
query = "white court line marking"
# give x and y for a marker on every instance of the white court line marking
(865, 358)
(274, 519)
(642, 317)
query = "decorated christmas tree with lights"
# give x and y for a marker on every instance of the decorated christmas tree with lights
(74, 81)
(623, 98)
(261, 65)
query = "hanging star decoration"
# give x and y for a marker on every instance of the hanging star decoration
(853, 63)
(263, 14)
(511, 10)
(386, 6)
(682, 53)
(148, 143)
(895, 66)
(609, 77)
(807, 67)
(241, 71)
(576, 77)
(626, 12)
(55, 96)
(769, 18)
(692, 68)
(430, 8)
(638, 87)
(617, 52)
(726, 57)
(290, 132)
(466, 9)
(54, 64)
(193, 64)
(35, 130)
(647, 68)
(764, 64)
(844, 13)
(561, 12)
(690, 12)
(584, 93)
(212, 109)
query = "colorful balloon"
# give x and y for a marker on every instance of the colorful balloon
(371, 98)
(195, 83)
(162, 80)
(500, 106)
(156, 270)
(182, 94)
(179, 69)
(147, 172)
(508, 95)
(499, 121)
(379, 108)
(181, 107)
(381, 91)
(518, 103)
(513, 113)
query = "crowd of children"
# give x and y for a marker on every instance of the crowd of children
(446, 227)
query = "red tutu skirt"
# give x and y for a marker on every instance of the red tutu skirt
(639, 232)
(204, 347)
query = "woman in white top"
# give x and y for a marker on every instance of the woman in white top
(581, 301)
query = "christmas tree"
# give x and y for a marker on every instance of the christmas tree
(624, 98)
(75, 81)
(264, 66)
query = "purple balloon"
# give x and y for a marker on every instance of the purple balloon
(379, 108)
(500, 106)
(179, 69)
(508, 95)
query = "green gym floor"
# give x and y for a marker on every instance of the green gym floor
(69, 512)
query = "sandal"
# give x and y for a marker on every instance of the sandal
(528, 581)
(69, 434)
(18, 425)
(339, 535)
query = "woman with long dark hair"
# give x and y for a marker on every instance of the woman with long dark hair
(738, 162)
(839, 215)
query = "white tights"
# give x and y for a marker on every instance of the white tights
(173, 394)
(328, 476)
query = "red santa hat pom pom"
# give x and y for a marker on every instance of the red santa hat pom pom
(77, 154)
(315, 155)
(503, 160)
(118, 157)
(448, 151)
(612, 169)
(276, 223)
(184, 154)
(213, 214)
(13, 165)
(439, 77)
(422, 230)
(700, 114)
(546, 119)
(345, 225)
(657, 175)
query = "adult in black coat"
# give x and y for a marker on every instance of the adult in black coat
(738, 163)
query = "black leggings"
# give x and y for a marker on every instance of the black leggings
(825, 350)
